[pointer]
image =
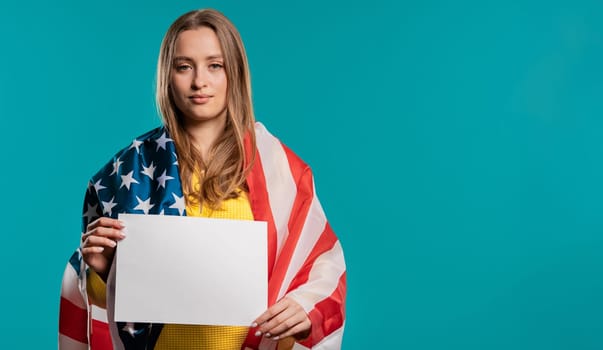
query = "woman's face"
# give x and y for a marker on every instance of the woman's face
(198, 76)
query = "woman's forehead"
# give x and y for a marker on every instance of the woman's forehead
(200, 42)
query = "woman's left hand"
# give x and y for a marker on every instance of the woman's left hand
(283, 319)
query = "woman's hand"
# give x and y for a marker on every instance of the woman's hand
(98, 244)
(283, 319)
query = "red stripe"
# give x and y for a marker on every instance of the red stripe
(328, 315)
(260, 205)
(297, 220)
(100, 338)
(73, 321)
(251, 341)
(325, 242)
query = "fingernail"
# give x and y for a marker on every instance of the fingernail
(254, 324)
(258, 333)
(122, 234)
(100, 249)
(113, 244)
(268, 335)
(275, 338)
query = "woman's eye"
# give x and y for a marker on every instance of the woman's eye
(182, 67)
(215, 66)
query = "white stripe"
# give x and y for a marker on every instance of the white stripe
(66, 343)
(280, 184)
(99, 314)
(297, 346)
(70, 288)
(323, 278)
(332, 341)
(314, 225)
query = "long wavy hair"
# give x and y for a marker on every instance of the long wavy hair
(224, 173)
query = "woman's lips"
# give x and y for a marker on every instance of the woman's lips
(199, 99)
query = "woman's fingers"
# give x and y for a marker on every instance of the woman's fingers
(99, 242)
(286, 326)
(302, 327)
(91, 250)
(280, 323)
(271, 312)
(109, 232)
(283, 319)
(104, 222)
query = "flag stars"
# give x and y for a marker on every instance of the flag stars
(129, 327)
(145, 205)
(136, 144)
(149, 171)
(108, 206)
(162, 141)
(98, 186)
(127, 180)
(91, 213)
(116, 164)
(179, 203)
(163, 179)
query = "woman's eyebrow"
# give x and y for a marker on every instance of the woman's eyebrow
(208, 58)
(213, 57)
(182, 58)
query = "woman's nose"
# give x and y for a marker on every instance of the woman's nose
(199, 80)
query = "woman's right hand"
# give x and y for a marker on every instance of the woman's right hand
(98, 244)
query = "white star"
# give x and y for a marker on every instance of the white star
(136, 144)
(145, 206)
(175, 157)
(179, 204)
(108, 206)
(91, 212)
(126, 180)
(98, 186)
(129, 327)
(162, 179)
(148, 171)
(162, 141)
(116, 165)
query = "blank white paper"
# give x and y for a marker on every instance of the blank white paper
(190, 270)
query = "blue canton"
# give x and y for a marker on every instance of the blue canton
(142, 178)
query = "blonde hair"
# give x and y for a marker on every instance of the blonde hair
(224, 173)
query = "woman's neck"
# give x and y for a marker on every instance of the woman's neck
(205, 133)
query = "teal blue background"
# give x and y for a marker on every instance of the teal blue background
(456, 147)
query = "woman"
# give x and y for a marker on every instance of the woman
(210, 159)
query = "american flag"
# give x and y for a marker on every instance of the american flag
(305, 258)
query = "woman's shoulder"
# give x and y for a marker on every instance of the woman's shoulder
(158, 136)
(152, 146)
(276, 151)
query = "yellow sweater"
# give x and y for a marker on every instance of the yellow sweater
(176, 337)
